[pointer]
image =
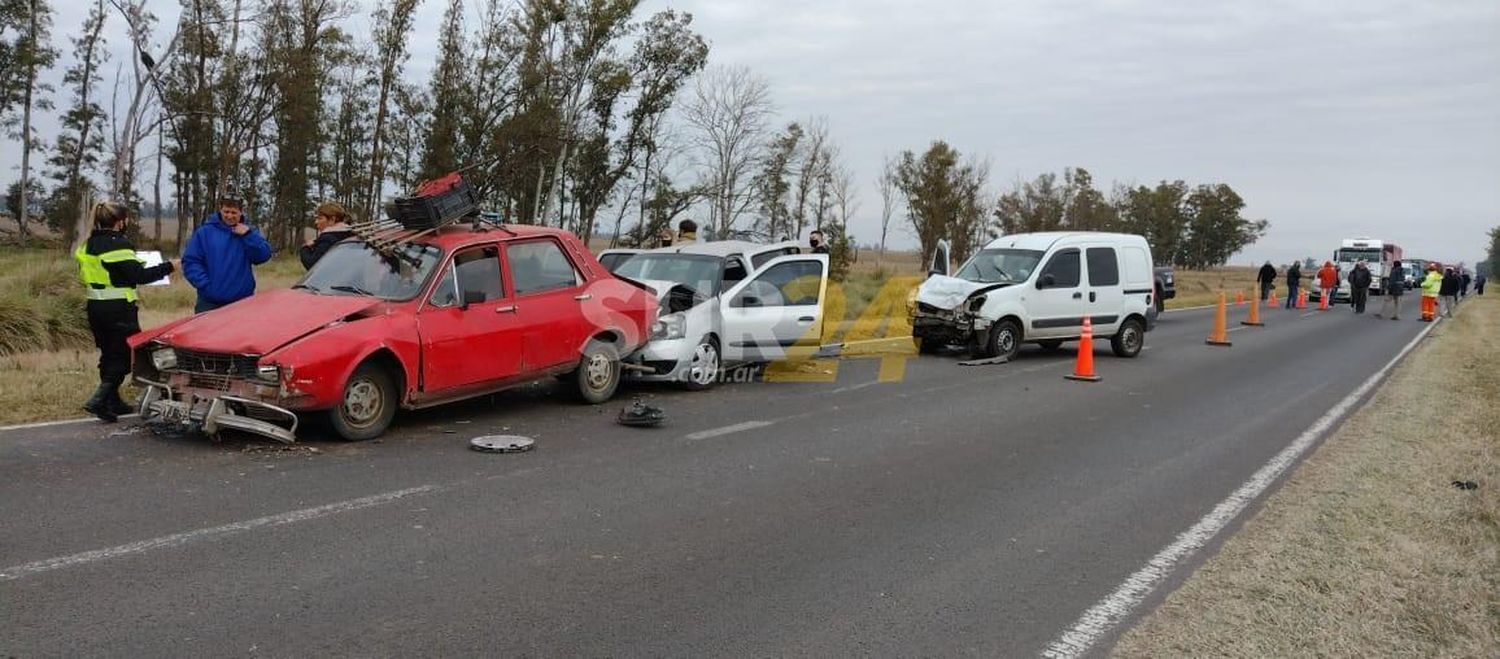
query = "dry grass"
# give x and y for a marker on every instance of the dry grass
(1200, 287)
(52, 368)
(1369, 550)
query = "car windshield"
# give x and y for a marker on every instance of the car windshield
(1000, 266)
(696, 271)
(353, 268)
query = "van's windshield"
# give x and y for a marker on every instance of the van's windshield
(1000, 265)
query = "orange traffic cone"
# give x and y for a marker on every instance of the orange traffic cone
(1272, 302)
(1220, 335)
(1239, 298)
(1085, 369)
(1254, 320)
(1302, 299)
(1323, 299)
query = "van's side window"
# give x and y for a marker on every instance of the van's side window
(1104, 267)
(1064, 269)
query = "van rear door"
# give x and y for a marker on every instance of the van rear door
(1105, 295)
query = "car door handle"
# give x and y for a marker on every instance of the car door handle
(1093, 296)
(509, 308)
(806, 319)
(583, 296)
(1078, 296)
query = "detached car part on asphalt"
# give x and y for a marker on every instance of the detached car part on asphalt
(1038, 288)
(460, 311)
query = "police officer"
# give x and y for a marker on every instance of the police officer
(110, 271)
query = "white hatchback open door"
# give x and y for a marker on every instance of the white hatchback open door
(941, 260)
(612, 259)
(778, 312)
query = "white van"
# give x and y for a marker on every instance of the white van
(1038, 288)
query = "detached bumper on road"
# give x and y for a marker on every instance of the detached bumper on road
(193, 412)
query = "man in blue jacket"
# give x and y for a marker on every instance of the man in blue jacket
(220, 256)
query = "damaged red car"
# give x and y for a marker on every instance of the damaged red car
(457, 312)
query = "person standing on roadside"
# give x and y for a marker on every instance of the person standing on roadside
(1467, 281)
(815, 240)
(221, 255)
(1359, 286)
(687, 231)
(1432, 285)
(1293, 282)
(1448, 290)
(1267, 280)
(1328, 281)
(1395, 286)
(110, 272)
(332, 223)
(1479, 285)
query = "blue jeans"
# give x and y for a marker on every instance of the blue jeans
(204, 305)
(1291, 295)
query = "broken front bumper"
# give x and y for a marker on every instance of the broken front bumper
(952, 326)
(209, 414)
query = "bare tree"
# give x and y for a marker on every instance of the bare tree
(133, 128)
(727, 114)
(886, 184)
(392, 26)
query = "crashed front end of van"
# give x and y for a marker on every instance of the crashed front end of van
(946, 311)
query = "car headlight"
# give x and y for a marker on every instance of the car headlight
(670, 326)
(268, 372)
(164, 358)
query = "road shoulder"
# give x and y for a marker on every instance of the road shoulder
(1369, 548)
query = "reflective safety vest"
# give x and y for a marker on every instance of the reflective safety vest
(96, 279)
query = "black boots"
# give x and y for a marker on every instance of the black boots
(101, 403)
(118, 404)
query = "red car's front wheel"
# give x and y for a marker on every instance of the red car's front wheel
(368, 405)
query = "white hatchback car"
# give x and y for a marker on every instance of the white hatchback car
(725, 303)
(1038, 288)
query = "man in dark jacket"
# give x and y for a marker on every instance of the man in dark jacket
(1267, 280)
(1467, 280)
(1359, 286)
(332, 223)
(220, 256)
(1293, 282)
(1448, 292)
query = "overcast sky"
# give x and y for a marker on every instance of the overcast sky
(1333, 119)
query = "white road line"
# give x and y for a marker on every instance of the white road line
(729, 430)
(1108, 613)
(64, 422)
(854, 387)
(166, 541)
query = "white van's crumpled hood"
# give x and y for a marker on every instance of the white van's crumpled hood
(946, 292)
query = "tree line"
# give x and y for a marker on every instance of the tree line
(580, 114)
(1188, 226)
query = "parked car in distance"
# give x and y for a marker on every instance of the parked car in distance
(1038, 288)
(1166, 286)
(459, 312)
(726, 303)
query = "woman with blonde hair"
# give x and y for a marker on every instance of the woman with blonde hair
(110, 272)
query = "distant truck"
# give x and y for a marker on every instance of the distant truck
(1378, 256)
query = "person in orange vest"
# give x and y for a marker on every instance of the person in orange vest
(1431, 286)
(1328, 281)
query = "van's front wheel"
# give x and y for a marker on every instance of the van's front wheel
(1005, 340)
(1130, 339)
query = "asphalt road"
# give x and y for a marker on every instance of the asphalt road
(962, 511)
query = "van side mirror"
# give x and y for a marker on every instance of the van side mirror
(1046, 281)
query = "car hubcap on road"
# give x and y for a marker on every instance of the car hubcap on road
(705, 364)
(362, 402)
(598, 372)
(1132, 339)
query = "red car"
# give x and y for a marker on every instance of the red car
(459, 312)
